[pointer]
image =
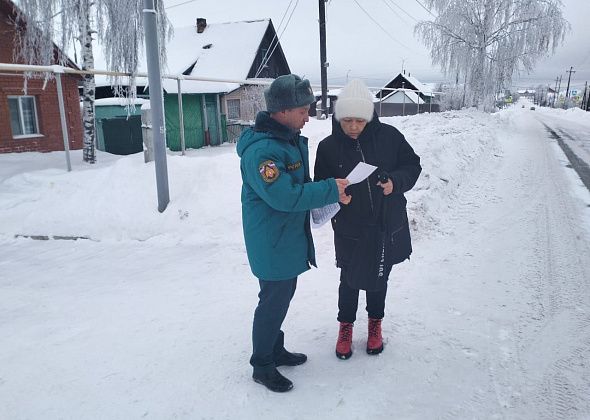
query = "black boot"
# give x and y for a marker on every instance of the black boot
(273, 380)
(286, 358)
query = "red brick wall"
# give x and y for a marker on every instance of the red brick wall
(47, 105)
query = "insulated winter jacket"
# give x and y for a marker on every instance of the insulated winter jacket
(370, 212)
(277, 194)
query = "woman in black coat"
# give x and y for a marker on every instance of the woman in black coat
(371, 233)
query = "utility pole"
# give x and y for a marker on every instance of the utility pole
(558, 88)
(570, 71)
(404, 98)
(323, 63)
(152, 50)
(554, 92)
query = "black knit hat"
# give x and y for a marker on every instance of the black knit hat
(287, 92)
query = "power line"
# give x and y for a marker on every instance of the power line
(395, 13)
(400, 8)
(381, 27)
(425, 8)
(179, 4)
(278, 41)
(262, 62)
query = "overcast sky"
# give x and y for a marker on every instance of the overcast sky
(373, 39)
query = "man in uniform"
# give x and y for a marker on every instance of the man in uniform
(277, 195)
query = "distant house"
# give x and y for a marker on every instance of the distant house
(527, 93)
(406, 81)
(30, 120)
(331, 97)
(404, 95)
(213, 112)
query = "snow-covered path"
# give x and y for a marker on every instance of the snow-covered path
(490, 319)
(511, 284)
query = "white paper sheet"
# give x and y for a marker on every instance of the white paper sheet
(360, 172)
(320, 216)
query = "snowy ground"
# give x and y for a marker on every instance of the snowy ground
(151, 316)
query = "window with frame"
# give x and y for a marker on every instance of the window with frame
(23, 116)
(233, 109)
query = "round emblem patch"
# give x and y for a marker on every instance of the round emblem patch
(269, 171)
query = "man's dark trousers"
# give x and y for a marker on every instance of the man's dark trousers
(267, 337)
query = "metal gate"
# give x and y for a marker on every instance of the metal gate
(122, 135)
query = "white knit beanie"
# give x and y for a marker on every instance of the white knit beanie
(354, 101)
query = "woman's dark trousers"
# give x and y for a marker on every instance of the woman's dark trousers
(348, 301)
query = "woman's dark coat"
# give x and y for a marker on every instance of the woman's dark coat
(371, 234)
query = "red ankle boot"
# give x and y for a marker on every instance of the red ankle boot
(344, 344)
(375, 341)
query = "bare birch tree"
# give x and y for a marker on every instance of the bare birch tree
(117, 24)
(485, 42)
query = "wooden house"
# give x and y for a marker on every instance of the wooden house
(405, 95)
(214, 112)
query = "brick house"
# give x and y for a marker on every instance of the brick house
(30, 121)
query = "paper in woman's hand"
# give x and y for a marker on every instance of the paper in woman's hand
(360, 172)
(320, 216)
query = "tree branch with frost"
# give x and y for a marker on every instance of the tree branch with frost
(116, 24)
(488, 40)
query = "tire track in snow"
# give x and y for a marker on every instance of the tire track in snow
(562, 330)
(580, 166)
(521, 200)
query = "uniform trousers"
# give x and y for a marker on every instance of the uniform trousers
(267, 337)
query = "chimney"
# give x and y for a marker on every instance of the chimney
(201, 25)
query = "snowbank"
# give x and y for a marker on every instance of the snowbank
(116, 198)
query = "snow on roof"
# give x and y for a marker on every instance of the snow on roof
(102, 80)
(119, 101)
(413, 96)
(198, 86)
(222, 51)
(422, 87)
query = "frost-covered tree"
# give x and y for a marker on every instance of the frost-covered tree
(485, 42)
(117, 24)
(451, 97)
(254, 95)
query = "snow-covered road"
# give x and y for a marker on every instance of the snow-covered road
(510, 283)
(489, 320)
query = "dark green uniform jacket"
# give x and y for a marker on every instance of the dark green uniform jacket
(277, 194)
